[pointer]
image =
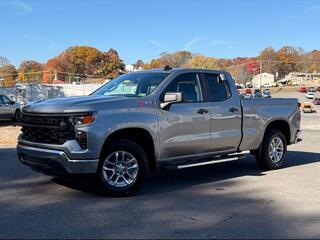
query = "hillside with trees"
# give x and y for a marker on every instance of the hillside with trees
(82, 62)
(278, 62)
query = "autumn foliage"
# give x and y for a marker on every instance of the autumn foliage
(286, 59)
(10, 75)
(30, 71)
(83, 61)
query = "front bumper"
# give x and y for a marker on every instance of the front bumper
(54, 162)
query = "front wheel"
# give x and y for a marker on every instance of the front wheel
(17, 115)
(122, 168)
(273, 150)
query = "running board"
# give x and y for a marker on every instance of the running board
(207, 163)
(213, 160)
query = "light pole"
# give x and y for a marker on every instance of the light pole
(260, 85)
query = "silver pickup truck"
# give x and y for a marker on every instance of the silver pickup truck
(147, 120)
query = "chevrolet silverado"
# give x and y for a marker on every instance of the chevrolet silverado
(147, 120)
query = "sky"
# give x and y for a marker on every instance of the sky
(41, 29)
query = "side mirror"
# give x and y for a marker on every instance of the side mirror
(221, 78)
(170, 98)
(12, 102)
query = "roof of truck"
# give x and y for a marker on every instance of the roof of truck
(170, 70)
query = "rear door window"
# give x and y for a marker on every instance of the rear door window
(218, 90)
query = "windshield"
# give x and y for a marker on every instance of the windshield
(132, 84)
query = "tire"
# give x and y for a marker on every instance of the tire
(268, 157)
(17, 115)
(129, 154)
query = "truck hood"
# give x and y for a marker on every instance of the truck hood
(71, 104)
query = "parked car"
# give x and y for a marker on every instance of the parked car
(306, 107)
(316, 101)
(173, 118)
(311, 89)
(248, 96)
(310, 95)
(266, 93)
(257, 95)
(9, 109)
(303, 90)
(248, 91)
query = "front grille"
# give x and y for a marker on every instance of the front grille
(46, 129)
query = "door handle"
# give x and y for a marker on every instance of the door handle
(233, 110)
(202, 111)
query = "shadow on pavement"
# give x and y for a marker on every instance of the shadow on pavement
(7, 122)
(172, 180)
(32, 207)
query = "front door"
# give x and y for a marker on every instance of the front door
(185, 126)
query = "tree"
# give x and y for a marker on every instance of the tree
(4, 61)
(139, 64)
(51, 70)
(175, 59)
(224, 63)
(30, 71)
(83, 59)
(200, 61)
(180, 58)
(290, 58)
(156, 63)
(111, 65)
(8, 73)
(312, 60)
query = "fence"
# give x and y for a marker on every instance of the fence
(33, 92)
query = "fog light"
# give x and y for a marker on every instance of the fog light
(82, 138)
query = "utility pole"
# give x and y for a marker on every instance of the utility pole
(260, 85)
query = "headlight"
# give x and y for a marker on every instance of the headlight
(83, 120)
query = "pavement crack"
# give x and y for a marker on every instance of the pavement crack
(234, 214)
(226, 219)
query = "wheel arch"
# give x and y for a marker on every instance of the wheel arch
(279, 124)
(140, 136)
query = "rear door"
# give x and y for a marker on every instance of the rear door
(225, 114)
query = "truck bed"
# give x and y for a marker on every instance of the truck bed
(257, 113)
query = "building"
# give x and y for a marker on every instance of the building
(299, 78)
(267, 80)
(132, 68)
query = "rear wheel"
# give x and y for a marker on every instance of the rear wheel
(122, 168)
(273, 150)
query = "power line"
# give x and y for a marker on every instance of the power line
(258, 61)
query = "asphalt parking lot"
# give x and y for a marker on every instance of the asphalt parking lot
(302, 98)
(227, 200)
